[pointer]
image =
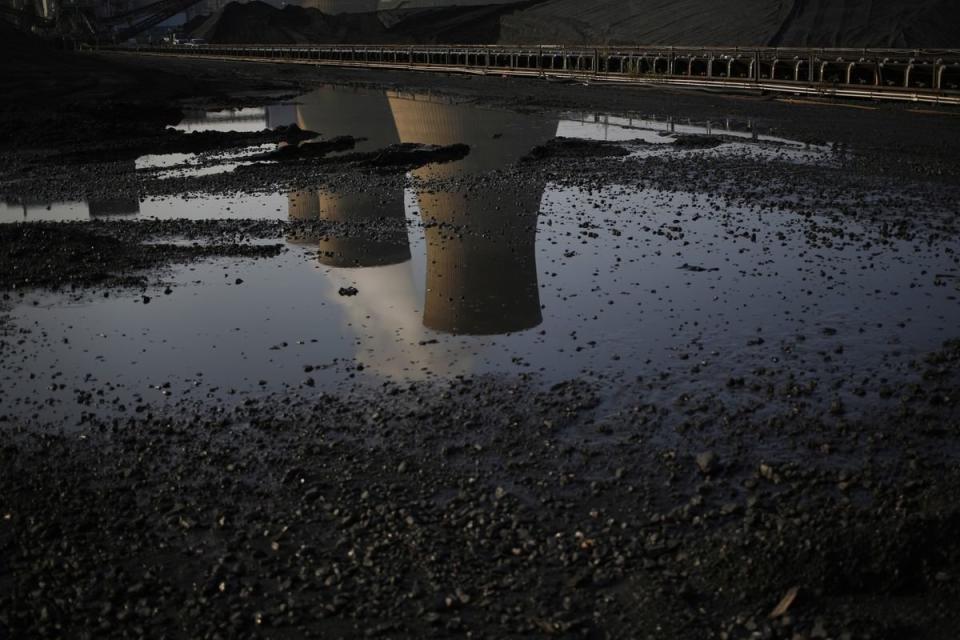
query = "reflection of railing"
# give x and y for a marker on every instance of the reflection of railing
(606, 127)
(252, 119)
(920, 75)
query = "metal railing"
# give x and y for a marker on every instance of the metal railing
(917, 75)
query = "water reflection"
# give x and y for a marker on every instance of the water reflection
(596, 126)
(390, 245)
(481, 259)
(113, 207)
(336, 111)
(482, 280)
(361, 114)
(481, 272)
(247, 119)
(98, 207)
(26, 210)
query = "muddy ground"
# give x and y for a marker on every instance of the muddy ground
(490, 506)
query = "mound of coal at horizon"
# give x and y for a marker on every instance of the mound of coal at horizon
(808, 23)
(260, 23)
(794, 23)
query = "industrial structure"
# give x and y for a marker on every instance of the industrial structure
(121, 20)
(92, 21)
(914, 75)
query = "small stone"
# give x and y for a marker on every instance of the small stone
(836, 407)
(819, 630)
(707, 462)
(767, 472)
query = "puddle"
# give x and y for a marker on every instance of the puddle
(600, 283)
(555, 281)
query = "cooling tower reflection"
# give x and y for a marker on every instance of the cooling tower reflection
(480, 269)
(481, 260)
(382, 241)
(481, 280)
(337, 111)
(342, 111)
(386, 317)
(107, 206)
(110, 207)
(371, 248)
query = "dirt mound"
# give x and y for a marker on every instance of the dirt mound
(258, 22)
(816, 23)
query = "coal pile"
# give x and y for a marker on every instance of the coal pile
(260, 23)
(798, 23)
